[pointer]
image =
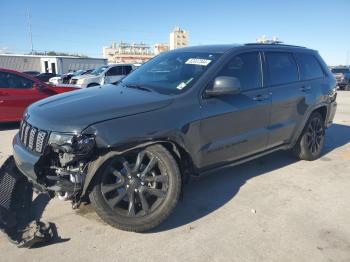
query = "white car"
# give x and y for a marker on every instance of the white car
(104, 75)
(56, 80)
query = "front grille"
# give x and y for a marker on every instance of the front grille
(73, 81)
(33, 138)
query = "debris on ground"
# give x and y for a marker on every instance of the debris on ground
(16, 218)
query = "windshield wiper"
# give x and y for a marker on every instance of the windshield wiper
(136, 87)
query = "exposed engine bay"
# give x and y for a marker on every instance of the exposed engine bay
(61, 171)
(62, 166)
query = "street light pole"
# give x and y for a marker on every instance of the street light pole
(30, 31)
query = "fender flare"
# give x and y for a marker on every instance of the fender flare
(301, 126)
(94, 165)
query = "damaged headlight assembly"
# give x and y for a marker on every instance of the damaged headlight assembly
(73, 151)
(72, 143)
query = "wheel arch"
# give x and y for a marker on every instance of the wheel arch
(321, 108)
(92, 84)
(180, 154)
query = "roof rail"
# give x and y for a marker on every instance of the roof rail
(275, 44)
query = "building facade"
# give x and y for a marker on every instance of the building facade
(160, 48)
(138, 53)
(49, 64)
(178, 38)
(135, 53)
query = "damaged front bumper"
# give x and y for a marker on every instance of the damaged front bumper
(26, 162)
(57, 170)
(17, 219)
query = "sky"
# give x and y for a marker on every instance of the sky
(85, 27)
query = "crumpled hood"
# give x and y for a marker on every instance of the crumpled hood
(74, 111)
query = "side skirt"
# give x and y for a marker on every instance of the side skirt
(244, 160)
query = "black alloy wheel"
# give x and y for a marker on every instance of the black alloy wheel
(315, 135)
(137, 191)
(135, 188)
(310, 144)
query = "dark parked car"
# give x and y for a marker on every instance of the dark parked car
(66, 79)
(31, 73)
(342, 75)
(130, 146)
(45, 77)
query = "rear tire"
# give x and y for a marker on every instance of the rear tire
(310, 143)
(138, 191)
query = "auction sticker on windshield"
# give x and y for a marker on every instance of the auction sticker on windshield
(198, 61)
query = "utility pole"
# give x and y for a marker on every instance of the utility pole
(30, 31)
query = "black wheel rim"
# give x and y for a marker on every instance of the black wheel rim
(315, 136)
(135, 185)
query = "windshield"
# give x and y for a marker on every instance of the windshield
(99, 70)
(78, 73)
(171, 73)
(340, 70)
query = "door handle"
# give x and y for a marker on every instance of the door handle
(261, 97)
(305, 88)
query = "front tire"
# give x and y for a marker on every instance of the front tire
(311, 141)
(138, 191)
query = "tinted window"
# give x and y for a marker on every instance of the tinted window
(308, 66)
(127, 70)
(9, 80)
(115, 71)
(282, 68)
(340, 70)
(247, 68)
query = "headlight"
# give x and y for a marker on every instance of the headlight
(71, 143)
(80, 81)
(60, 138)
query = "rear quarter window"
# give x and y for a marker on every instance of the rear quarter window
(309, 67)
(282, 68)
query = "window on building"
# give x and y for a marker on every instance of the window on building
(308, 66)
(282, 68)
(246, 68)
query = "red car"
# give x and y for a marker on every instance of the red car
(18, 90)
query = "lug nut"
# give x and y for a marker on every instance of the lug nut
(129, 177)
(138, 175)
(136, 190)
(127, 186)
(143, 183)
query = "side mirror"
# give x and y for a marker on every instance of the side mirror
(224, 85)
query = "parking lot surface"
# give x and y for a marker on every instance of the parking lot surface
(271, 209)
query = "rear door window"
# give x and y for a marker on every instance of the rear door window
(282, 68)
(308, 66)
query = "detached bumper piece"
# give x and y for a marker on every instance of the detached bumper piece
(16, 195)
